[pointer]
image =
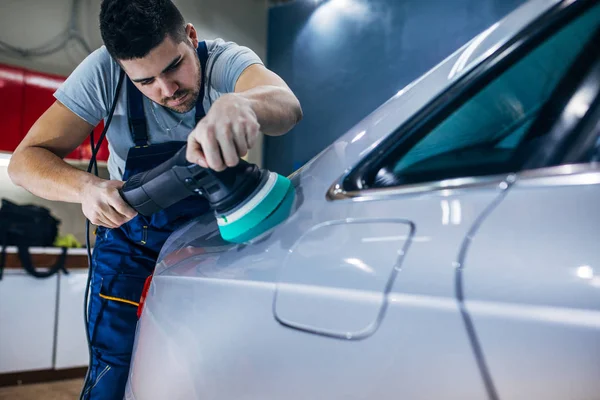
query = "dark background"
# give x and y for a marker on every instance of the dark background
(344, 58)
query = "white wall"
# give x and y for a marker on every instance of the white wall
(70, 214)
(31, 23)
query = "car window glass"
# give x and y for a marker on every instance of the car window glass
(482, 135)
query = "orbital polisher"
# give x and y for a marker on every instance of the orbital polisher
(247, 200)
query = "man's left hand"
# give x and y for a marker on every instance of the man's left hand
(225, 134)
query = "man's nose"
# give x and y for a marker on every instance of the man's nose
(168, 87)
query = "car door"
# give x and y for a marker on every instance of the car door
(531, 271)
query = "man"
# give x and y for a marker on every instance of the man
(215, 95)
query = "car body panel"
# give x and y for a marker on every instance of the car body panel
(246, 354)
(540, 298)
(421, 314)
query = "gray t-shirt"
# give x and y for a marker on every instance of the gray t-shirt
(89, 92)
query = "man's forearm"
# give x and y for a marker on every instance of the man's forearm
(46, 175)
(276, 108)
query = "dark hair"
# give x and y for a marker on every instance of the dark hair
(131, 28)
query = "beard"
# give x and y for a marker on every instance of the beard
(192, 95)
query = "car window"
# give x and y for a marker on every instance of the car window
(482, 136)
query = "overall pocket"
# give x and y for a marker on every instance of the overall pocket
(115, 320)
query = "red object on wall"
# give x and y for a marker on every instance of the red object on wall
(11, 105)
(86, 151)
(39, 96)
(24, 97)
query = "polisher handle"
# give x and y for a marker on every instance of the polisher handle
(177, 179)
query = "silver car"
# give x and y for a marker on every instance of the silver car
(446, 247)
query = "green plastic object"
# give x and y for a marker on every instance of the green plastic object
(270, 212)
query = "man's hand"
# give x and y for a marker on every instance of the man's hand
(102, 204)
(225, 134)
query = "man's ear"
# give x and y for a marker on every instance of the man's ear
(192, 35)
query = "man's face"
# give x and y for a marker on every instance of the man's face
(169, 75)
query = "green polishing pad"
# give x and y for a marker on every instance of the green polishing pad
(267, 208)
(279, 215)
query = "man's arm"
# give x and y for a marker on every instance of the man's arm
(262, 102)
(37, 165)
(276, 107)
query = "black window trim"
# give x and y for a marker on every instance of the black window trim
(352, 183)
(569, 134)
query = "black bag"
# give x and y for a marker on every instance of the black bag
(25, 226)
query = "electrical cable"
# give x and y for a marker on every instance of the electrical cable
(94, 165)
(55, 44)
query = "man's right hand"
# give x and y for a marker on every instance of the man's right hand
(103, 205)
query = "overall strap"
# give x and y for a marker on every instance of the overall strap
(135, 114)
(203, 57)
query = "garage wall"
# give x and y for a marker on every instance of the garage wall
(31, 23)
(70, 214)
(343, 58)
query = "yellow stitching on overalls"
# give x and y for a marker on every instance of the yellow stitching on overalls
(133, 303)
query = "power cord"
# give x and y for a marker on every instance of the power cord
(55, 44)
(94, 165)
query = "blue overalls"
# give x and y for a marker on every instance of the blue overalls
(124, 257)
